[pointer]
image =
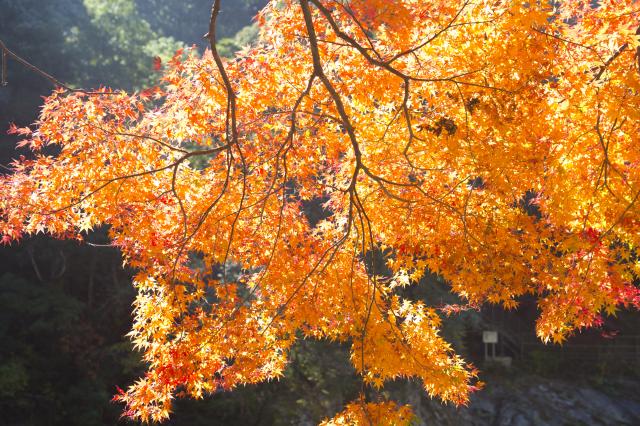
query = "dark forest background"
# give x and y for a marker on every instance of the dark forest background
(65, 308)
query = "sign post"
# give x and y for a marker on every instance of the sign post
(489, 337)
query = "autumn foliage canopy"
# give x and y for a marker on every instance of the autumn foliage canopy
(495, 143)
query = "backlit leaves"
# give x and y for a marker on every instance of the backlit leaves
(493, 143)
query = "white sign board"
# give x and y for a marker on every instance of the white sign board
(490, 337)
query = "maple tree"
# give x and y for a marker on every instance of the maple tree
(494, 143)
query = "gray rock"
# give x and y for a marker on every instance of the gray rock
(532, 401)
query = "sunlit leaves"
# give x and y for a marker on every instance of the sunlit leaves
(383, 414)
(493, 143)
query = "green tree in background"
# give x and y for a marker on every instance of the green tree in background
(37, 30)
(85, 43)
(113, 43)
(116, 45)
(188, 21)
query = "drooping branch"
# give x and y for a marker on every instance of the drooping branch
(232, 131)
(386, 65)
(319, 71)
(8, 53)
